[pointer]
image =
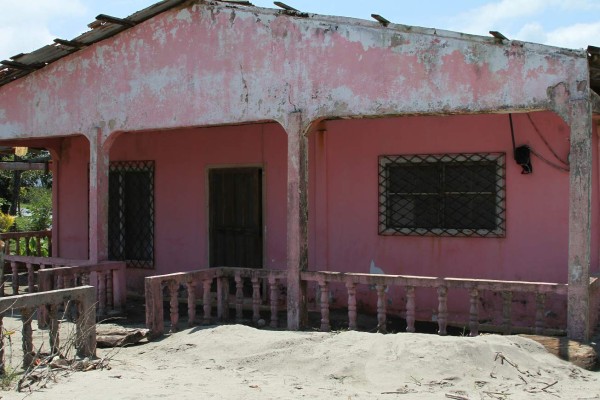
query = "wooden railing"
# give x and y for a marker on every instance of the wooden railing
(32, 265)
(442, 285)
(108, 278)
(202, 281)
(27, 243)
(85, 336)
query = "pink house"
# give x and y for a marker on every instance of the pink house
(194, 135)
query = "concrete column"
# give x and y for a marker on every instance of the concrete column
(580, 209)
(297, 220)
(98, 199)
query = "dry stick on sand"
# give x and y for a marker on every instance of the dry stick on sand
(47, 369)
(456, 396)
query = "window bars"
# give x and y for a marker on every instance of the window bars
(131, 213)
(442, 195)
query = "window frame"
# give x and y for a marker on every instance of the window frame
(120, 169)
(386, 161)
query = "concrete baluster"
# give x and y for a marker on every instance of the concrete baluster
(410, 309)
(206, 300)
(381, 309)
(174, 305)
(506, 312)
(2, 368)
(351, 286)
(324, 288)
(274, 298)
(255, 299)
(191, 291)
(474, 312)
(109, 290)
(442, 310)
(15, 277)
(101, 293)
(30, 278)
(38, 246)
(540, 302)
(239, 297)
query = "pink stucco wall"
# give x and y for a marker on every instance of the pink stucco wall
(182, 158)
(344, 203)
(71, 221)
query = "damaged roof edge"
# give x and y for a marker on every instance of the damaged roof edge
(103, 28)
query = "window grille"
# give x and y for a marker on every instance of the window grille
(131, 213)
(442, 195)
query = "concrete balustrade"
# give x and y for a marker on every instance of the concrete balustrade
(85, 335)
(443, 287)
(202, 280)
(32, 265)
(22, 241)
(107, 278)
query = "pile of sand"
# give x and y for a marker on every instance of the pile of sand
(240, 362)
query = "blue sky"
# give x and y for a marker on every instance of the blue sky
(26, 25)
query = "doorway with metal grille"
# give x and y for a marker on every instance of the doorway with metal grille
(235, 217)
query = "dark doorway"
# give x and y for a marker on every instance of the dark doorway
(235, 209)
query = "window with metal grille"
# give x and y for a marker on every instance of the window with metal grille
(442, 195)
(131, 213)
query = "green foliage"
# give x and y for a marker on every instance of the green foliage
(40, 206)
(6, 221)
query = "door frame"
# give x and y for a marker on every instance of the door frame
(207, 170)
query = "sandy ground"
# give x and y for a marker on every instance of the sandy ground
(240, 362)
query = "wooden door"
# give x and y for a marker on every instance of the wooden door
(235, 209)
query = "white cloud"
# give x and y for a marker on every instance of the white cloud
(575, 36)
(24, 25)
(487, 17)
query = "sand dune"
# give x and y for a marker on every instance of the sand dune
(240, 362)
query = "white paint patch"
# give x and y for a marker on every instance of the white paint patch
(184, 15)
(159, 35)
(375, 270)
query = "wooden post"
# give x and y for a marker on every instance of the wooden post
(26, 316)
(86, 325)
(297, 220)
(54, 339)
(15, 277)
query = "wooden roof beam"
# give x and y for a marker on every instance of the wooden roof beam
(20, 66)
(115, 20)
(70, 43)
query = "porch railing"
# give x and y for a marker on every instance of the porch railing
(475, 288)
(108, 279)
(85, 336)
(32, 265)
(202, 281)
(27, 243)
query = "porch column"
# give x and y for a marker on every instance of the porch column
(580, 193)
(297, 220)
(98, 199)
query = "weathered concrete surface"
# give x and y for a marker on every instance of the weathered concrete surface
(213, 64)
